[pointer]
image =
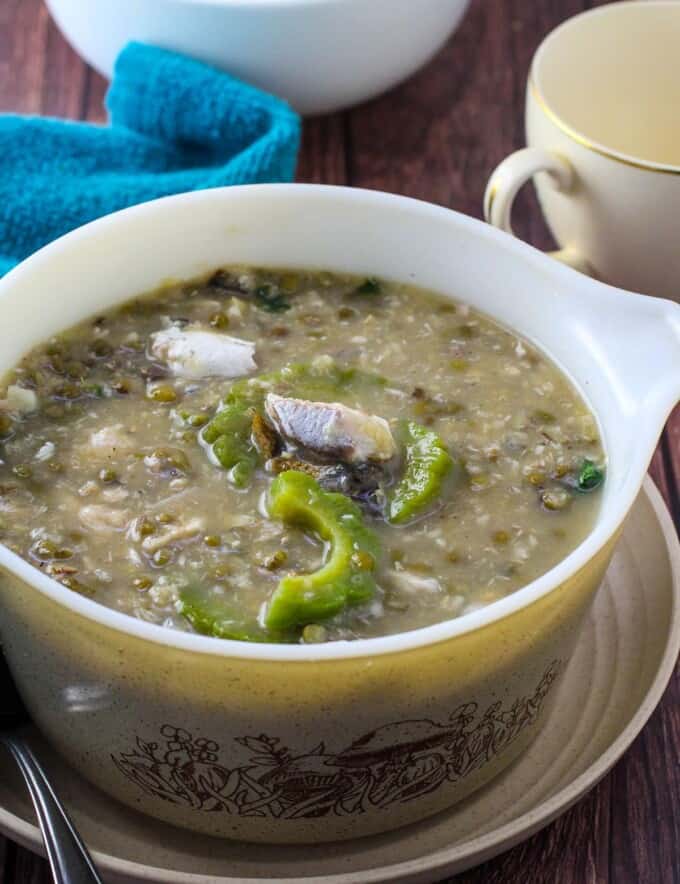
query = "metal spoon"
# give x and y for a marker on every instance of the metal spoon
(68, 857)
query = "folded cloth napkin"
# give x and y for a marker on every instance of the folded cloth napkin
(175, 125)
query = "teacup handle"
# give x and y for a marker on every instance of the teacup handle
(511, 175)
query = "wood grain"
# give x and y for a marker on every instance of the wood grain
(437, 138)
(671, 449)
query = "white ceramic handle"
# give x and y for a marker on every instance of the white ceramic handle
(511, 175)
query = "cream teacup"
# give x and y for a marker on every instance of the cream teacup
(603, 134)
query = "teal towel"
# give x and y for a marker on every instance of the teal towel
(175, 125)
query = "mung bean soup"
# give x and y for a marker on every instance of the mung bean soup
(294, 457)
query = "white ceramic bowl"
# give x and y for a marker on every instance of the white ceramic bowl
(363, 736)
(320, 55)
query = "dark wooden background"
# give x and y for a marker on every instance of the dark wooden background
(437, 137)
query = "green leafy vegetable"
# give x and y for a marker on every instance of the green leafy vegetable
(370, 286)
(428, 463)
(271, 300)
(590, 476)
(347, 577)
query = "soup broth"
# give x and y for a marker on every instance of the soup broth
(294, 456)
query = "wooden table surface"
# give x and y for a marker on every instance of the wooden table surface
(437, 137)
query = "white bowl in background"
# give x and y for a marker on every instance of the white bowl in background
(320, 55)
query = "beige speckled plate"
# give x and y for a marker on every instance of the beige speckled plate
(620, 668)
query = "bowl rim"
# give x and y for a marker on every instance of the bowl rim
(606, 525)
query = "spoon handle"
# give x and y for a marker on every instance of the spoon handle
(68, 857)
